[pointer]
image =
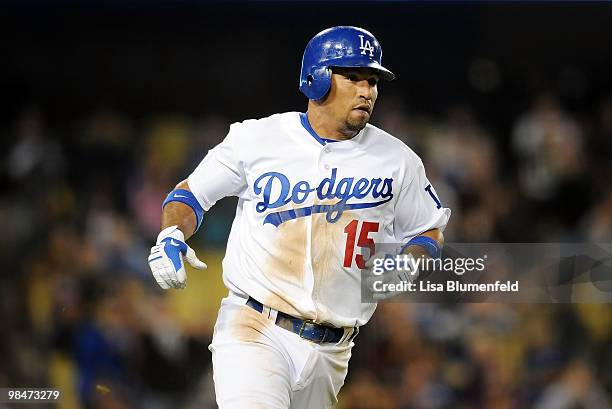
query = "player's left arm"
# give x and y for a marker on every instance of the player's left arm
(419, 221)
(417, 251)
(420, 217)
(430, 246)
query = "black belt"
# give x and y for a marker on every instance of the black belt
(306, 329)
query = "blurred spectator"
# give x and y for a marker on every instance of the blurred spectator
(577, 387)
(549, 146)
(36, 158)
(465, 153)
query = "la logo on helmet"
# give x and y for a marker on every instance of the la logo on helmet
(366, 46)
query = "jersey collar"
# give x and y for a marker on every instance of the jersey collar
(306, 125)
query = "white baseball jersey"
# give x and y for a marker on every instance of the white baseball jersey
(306, 208)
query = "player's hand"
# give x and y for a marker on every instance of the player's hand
(166, 259)
(386, 274)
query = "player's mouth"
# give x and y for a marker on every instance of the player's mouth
(363, 107)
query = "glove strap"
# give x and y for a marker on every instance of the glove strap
(173, 232)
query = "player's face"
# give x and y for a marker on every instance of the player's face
(352, 96)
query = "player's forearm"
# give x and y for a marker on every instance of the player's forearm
(418, 251)
(179, 214)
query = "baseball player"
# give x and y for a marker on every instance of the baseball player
(314, 190)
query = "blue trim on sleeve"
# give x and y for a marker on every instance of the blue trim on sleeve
(429, 244)
(186, 197)
(306, 125)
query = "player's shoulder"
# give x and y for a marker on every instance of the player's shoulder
(267, 123)
(380, 138)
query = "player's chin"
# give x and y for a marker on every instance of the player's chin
(358, 119)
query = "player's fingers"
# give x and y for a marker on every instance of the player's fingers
(169, 277)
(160, 278)
(161, 283)
(181, 276)
(368, 281)
(381, 296)
(194, 261)
(179, 285)
(180, 279)
(166, 272)
(378, 256)
(175, 278)
(156, 265)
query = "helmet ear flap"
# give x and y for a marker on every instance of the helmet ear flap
(317, 83)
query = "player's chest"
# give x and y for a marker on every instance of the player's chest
(301, 184)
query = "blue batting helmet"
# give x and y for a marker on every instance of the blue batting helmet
(342, 46)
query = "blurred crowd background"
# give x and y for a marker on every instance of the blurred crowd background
(107, 107)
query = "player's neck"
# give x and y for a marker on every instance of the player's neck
(326, 127)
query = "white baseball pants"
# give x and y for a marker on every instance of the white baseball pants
(259, 365)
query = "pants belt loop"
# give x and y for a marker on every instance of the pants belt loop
(354, 334)
(302, 328)
(347, 332)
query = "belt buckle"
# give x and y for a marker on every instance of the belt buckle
(302, 328)
(304, 322)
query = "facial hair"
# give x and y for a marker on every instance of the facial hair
(355, 126)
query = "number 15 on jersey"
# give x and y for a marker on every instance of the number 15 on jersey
(361, 231)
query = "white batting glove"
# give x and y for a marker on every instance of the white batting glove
(386, 274)
(166, 259)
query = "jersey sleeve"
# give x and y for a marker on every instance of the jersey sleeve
(418, 208)
(220, 173)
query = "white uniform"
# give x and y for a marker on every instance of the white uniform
(306, 207)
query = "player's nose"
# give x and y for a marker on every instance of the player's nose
(365, 89)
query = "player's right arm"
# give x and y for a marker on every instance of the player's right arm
(181, 216)
(218, 175)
